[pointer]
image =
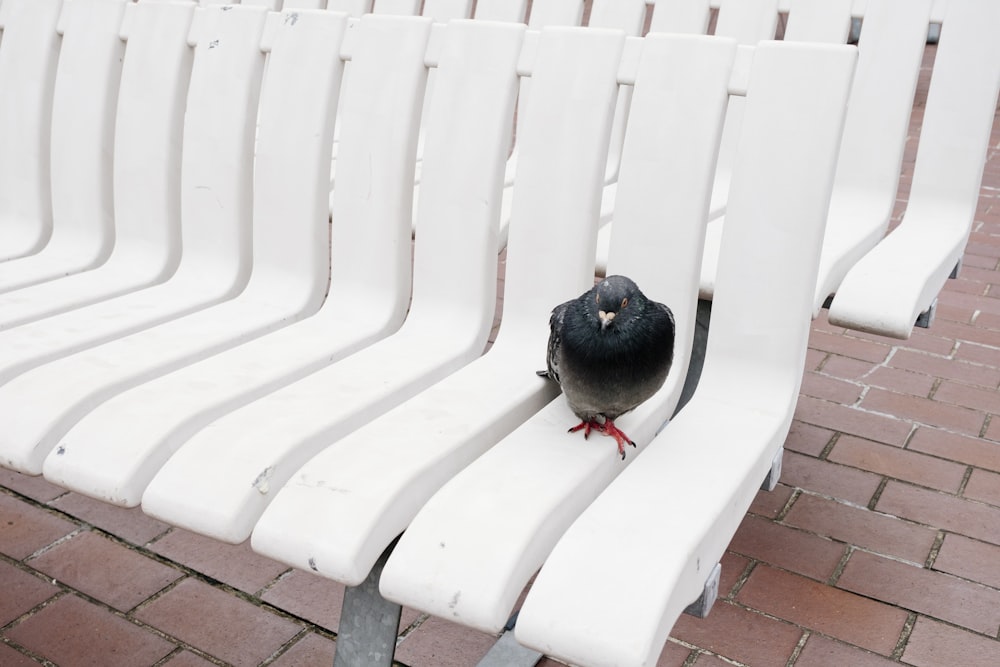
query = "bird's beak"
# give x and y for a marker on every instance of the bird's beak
(606, 318)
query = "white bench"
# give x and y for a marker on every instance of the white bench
(78, 129)
(29, 55)
(896, 283)
(145, 196)
(326, 432)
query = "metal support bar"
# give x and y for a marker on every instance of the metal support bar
(369, 623)
(774, 475)
(507, 652)
(926, 318)
(709, 594)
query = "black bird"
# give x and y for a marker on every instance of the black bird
(609, 349)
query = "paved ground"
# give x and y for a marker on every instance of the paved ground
(880, 546)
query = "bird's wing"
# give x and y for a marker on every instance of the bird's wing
(555, 338)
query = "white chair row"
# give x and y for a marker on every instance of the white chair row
(310, 384)
(205, 427)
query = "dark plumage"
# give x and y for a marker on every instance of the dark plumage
(609, 349)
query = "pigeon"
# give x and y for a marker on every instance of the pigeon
(610, 349)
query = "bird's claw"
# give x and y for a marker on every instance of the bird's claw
(607, 428)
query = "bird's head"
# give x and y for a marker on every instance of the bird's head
(615, 302)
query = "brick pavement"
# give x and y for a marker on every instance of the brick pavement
(880, 546)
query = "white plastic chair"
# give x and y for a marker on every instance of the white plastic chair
(80, 143)
(216, 215)
(155, 76)
(29, 53)
(530, 505)
(202, 487)
(120, 445)
(899, 279)
(891, 51)
(615, 583)
(393, 465)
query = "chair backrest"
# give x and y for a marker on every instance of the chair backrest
(681, 16)
(29, 52)
(823, 21)
(372, 208)
(759, 316)
(546, 245)
(149, 124)
(442, 11)
(397, 7)
(501, 10)
(220, 126)
(294, 143)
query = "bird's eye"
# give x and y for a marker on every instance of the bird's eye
(624, 302)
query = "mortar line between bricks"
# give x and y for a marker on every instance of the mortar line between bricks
(797, 651)
(935, 550)
(58, 595)
(873, 501)
(187, 572)
(828, 447)
(14, 646)
(841, 565)
(904, 635)
(284, 648)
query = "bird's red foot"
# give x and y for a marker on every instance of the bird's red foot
(618, 435)
(607, 428)
(586, 426)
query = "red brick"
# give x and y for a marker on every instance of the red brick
(821, 651)
(36, 488)
(862, 527)
(927, 592)
(905, 382)
(72, 631)
(22, 592)
(898, 463)
(977, 398)
(308, 596)
(829, 479)
(787, 548)
(11, 658)
(310, 650)
(849, 346)
(104, 570)
(847, 368)
(965, 332)
(235, 565)
(934, 644)
(993, 431)
(807, 439)
(830, 388)
(187, 659)
(984, 486)
(882, 428)
(223, 625)
(942, 511)
(24, 528)
(977, 354)
(924, 411)
(836, 613)
(739, 634)
(128, 524)
(969, 559)
(770, 503)
(733, 567)
(673, 655)
(964, 449)
(709, 660)
(444, 644)
(933, 340)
